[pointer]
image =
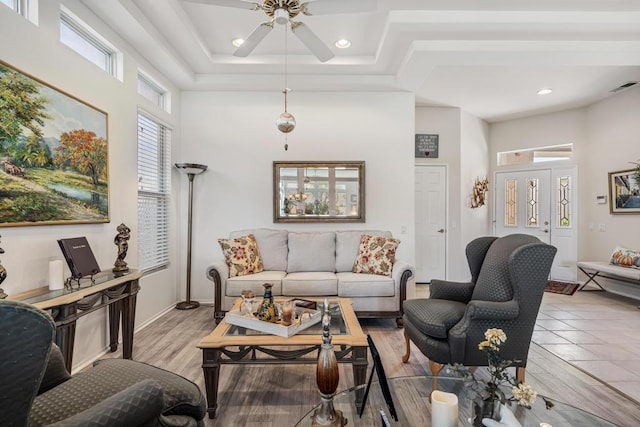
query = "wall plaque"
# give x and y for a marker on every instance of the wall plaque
(427, 146)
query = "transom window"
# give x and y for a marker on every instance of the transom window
(154, 92)
(85, 41)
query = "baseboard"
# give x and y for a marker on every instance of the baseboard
(89, 361)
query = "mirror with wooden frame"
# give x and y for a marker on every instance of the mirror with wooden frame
(318, 191)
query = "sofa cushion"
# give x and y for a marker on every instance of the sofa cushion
(376, 255)
(242, 255)
(272, 245)
(364, 285)
(317, 283)
(235, 285)
(312, 252)
(347, 245)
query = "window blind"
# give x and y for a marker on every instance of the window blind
(153, 193)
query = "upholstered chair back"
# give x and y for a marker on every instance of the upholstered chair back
(494, 281)
(26, 336)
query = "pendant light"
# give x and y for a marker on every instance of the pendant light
(286, 122)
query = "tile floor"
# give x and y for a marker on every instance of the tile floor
(597, 332)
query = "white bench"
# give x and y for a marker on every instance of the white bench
(595, 269)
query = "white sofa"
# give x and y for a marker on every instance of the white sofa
(315, 264)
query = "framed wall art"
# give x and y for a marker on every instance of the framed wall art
(330, 191)
(53, 155)
(624, 192)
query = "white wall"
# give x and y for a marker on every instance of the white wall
(445, 122)
(235, 135)
(474, 164)
(36, 50)
(613, 130)
(605, 138)
(463, 147)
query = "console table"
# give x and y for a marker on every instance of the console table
(115, 291)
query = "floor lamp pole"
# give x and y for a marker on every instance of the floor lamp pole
(191, 169)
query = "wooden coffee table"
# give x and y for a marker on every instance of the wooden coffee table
(229, 344)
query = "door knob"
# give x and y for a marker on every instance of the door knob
(545, 230)
(441, 230)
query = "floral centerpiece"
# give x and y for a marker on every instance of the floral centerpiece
(491, 393)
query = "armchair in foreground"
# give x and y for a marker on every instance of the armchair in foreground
(37, 390)
(508, 276)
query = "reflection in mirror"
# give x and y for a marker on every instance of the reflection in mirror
(318, 191)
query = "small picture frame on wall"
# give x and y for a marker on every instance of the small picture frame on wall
(427, 146)
(624, 192)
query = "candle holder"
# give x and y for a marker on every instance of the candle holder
(327, 377)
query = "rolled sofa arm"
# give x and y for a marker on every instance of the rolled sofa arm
(218, 273)
(401, 273)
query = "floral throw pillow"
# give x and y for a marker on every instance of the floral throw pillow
(376, 255)
(625, 257)
(242, 255)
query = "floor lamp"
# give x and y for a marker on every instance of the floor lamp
(191, 169)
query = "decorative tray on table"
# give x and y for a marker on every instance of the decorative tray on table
(304, 319)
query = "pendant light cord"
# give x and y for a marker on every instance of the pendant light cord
(286, 67)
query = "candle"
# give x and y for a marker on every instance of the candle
(56, 275)
(444, 409)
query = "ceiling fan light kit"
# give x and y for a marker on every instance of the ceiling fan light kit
(284, 11)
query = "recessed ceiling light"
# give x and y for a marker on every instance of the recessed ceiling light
(343, 43)
(237, 42)
(545, 91)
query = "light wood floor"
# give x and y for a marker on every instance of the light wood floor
(280, 395)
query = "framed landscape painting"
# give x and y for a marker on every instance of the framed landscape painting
(53, 155)
(624, 192)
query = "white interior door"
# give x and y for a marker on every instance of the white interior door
(431, 222)
(540, 203)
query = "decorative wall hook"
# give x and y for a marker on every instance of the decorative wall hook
(480, 189)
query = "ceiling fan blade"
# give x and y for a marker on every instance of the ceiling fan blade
(329, 7)
(311, 41)
(254, 39)
(230, 3)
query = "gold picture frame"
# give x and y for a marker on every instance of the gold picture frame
(331, 191)
(53, 155)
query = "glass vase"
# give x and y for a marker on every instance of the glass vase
(267, 310)
(485, 408)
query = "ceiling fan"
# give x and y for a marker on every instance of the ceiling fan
(284, 11)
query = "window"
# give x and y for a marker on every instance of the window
(532, 202)
(81, 38)
(536, 155)
(153, 92)
(564, 202)
(153, 193)
(511, 203)
(20, 6)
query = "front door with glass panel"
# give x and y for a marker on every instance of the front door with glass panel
(540, 203)
(523, 203)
